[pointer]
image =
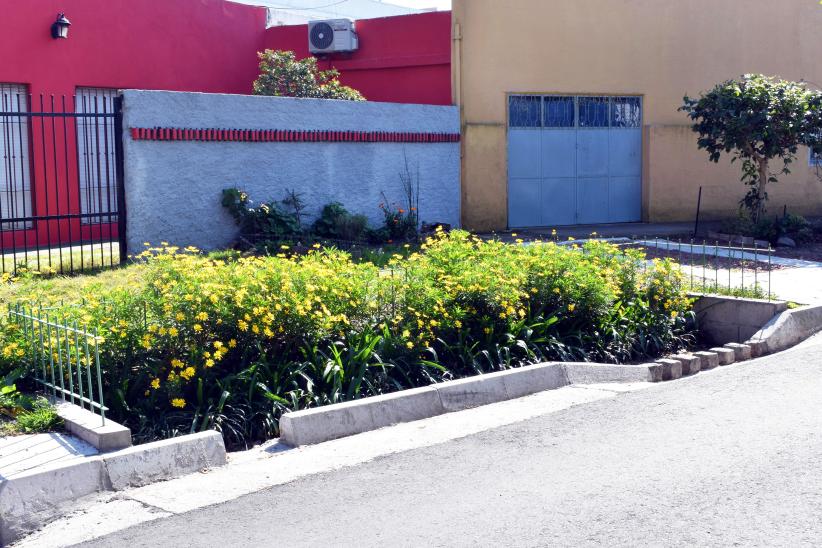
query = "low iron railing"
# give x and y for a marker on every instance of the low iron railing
(63, 357)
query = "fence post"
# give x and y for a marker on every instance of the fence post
(120, 175)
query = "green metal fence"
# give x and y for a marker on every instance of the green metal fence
(63, 357)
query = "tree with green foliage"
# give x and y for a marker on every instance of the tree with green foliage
(283, 75)
(756, 119)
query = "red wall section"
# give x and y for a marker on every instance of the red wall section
(181, 45)
(404, 59)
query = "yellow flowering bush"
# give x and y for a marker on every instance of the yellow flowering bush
(197, 342)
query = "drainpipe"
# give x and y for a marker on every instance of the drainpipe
(456, 98)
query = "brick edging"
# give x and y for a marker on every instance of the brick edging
(288, 135)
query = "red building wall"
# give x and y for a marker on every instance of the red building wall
(181, 45)
(403, 59)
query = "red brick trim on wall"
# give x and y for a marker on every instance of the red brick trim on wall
(289, 135)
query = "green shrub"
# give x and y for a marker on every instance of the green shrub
(771, 229)
(267, 221)
(337, 223)
(202, 343)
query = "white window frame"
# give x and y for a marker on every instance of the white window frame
(96, 167)
(15, 158)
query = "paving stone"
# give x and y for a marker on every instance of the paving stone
(727, 356)
(709, 360)
(656, 371)
(742, 352)
(690, 363)
(671, 369)
(758, 348)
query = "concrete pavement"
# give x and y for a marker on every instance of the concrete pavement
(731, 456)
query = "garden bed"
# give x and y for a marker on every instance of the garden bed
(190, 342)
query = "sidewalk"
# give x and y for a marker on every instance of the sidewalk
(27, 452)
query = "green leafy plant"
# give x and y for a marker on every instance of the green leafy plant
(41, 418)
(266, 221)
(336, 222)
(283, 75)
(771, 229)
(757, 120)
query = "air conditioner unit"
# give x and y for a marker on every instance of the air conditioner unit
(332, 35)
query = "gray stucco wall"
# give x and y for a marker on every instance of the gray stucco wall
(173, 188)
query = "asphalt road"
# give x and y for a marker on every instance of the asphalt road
(729, 457)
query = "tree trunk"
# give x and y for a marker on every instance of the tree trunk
(760, 188)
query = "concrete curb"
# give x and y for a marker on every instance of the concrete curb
(330, 422)
(30, 499)
(89, 427)
(787, 329)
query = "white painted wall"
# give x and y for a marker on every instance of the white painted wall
(173, 188)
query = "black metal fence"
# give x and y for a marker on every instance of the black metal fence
(61, 181)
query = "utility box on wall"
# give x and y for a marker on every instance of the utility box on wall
(182, 149)
(332, 36)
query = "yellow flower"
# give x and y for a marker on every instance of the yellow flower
(202, 316)
(155, 384)
(180, 316)
(232, 343)
(197, 328)
(172, 331)
(209, 362)
(571, 307)
(178, 402)
(187, 373)
(409, 344)
(458, 324)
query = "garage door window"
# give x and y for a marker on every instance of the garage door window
(524, 111)
(626, 112)
(558, 112)
(593, 111)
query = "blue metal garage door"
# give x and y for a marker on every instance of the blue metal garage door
(574, 160)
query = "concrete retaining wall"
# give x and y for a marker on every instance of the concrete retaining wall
(788, 328)
(733, 319)
(173, 188)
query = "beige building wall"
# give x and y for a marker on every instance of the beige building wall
(660, 49)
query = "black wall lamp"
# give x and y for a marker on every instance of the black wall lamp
(60, 28)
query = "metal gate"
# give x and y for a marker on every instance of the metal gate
(62, 207)
(574, 160)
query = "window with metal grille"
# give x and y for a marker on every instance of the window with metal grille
(524, 111)
(583, 111)
(95, 154)
(558, 112)
(15, 175)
